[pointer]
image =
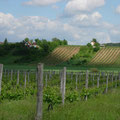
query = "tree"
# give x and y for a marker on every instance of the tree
(97, 47)
(65, 42)
(94, 40)
(5, 41)
(26, 39)
(89, 45)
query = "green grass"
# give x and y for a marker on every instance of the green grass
(58, 67)
(102, 107)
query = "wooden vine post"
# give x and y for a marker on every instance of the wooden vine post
(28, 76)
(11, 75)
(25, 80)
(86, 83)
(119, 78)
(112, 79)
(61, 81)
(39, 92)
(1, 71)
(46, 79)
(116, 81)
(63, 85)
(76, 80)
(107, 80)
(18, 77)
(98, 81)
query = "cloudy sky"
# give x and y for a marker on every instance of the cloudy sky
(77, 21)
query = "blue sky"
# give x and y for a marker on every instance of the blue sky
(78, 21)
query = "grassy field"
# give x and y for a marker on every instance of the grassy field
(102, 107)
(58, 67)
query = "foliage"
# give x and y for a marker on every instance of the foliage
(72, 96)
(29, 54)
(94, 70)
(83, 57)
(52, 95)
(10, 91)
(103, 107)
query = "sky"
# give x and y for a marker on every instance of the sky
(77, 21)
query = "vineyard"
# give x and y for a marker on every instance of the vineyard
(107, 56)
(61, 54)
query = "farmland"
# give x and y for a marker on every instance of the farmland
(86, 80)
(107, 56)
(20, 86)
(61, 54)
(102, 107)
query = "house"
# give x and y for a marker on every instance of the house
(93, 44)
(1, 43)
(29, 44)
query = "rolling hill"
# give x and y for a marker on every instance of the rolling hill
(107, 56)
(61, 54)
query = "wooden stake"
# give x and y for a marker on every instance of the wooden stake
(39, 92)
(116, 81)
(64, 84)
(46, 78)
(25, 80)
(76, 80)
(86, 84)
(18, 77)
(11, 74)
(107, 83)
(1, 72)
(98, 79)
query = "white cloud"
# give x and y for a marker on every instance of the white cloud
(115, 32)
(16, 29)
(103, 37)
(87, 19)
(41, 2)
(118, 9)
(83, 5)
(96, 15)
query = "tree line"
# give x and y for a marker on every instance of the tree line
(30, 54)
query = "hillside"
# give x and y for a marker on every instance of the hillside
(27, 51)
(61, 54)
(107, 56)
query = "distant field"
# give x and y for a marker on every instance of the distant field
(61, 54)
(106, 59)
(109, 56)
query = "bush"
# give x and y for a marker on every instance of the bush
(72, 96)
(94, 70)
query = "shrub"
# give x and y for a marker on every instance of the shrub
(94, 70)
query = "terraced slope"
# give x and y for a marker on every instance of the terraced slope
(107, 56)
(61, 54)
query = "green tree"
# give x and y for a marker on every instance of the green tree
(94, 40)
(65, 42)
(26, 39)
(97, 47)
(5, 41)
